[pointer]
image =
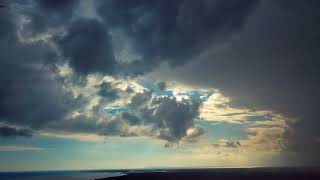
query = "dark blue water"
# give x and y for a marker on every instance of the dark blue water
(63, 175)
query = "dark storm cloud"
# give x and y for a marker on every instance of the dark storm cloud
(162, 86)
(132, 119)
(32, 96)
(56, 6)
(174, 31)
(87, 45)
(48, 14)
(170, 119)
(9, 132)
(272, 64)
(29, 95)
(171, 31)
(107, 91)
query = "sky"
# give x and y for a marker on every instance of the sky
(146, 84)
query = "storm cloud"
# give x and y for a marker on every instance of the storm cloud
(29, 94)
(87, 47)
(10, 132)
(263, 55)
(272, 64)
(169, 118)
(108, 92)
(174, 31)
(34, 96)
(47, 15)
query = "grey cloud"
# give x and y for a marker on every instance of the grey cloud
(227, 144)
(129, 90)
(48, 14)
(91, 125)
(171, 31)
(10, 132)
(271, 65)
(232, 144)
(216, 145)
(162, 86)
(33, 96)
(87, 46)
(29, 94)
(107, 91)
(169, 118)
(117, 127)
(165, 118)
(56, 6)
(174, 31)
(132, 119)
(195, 134)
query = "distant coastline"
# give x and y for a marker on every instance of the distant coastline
(225, 174)
(217, 173)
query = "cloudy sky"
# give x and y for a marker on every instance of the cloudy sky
(161, 83)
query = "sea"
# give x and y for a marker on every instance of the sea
(58, 175)
(188, 173)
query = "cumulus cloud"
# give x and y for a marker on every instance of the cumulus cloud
(146, 114)
(169, 118)
(108, 91)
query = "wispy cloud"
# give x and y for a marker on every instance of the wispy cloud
(21, 148)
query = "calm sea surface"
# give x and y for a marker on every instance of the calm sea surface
(57, 175)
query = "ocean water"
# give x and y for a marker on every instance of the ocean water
(57, 175)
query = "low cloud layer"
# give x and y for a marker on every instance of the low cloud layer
(10, 132)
